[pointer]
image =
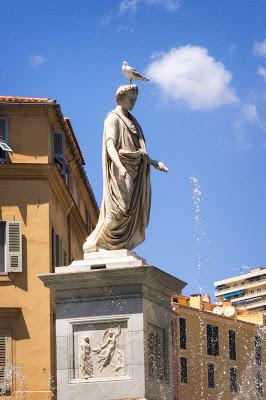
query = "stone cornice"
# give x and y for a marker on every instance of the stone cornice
(148, 276)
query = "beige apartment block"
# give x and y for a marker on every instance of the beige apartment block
(220, 351)
(246, 291)
(47, 208)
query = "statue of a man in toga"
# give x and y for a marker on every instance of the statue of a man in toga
(126, 200)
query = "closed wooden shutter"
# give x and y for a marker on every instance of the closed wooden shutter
(3, 358)
(3, 130)
(5, 361)
(59, 152)
(58, 144)
(13, 247)
(3, 137)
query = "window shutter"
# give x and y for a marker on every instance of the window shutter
(3, 359)
(59, 152)
(58, 144)
(3, 139)
(3, 130)
(13, 247)
(88, 221)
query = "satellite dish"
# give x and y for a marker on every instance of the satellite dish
(218, 310)
(229, 311)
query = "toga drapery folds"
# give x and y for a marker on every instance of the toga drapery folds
(126, 202)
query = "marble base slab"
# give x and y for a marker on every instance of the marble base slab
(104, 259)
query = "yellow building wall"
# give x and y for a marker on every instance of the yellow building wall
(64, 229)
(197, 358)
(27, 201)
(40, 203)
(27, 133)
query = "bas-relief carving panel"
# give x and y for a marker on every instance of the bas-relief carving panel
(100, 350)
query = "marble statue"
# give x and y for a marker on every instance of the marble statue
(85, 359)
(126, 200)
(108, 349)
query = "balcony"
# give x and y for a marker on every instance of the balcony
(249, 285)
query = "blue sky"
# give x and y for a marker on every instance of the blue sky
(203, 112)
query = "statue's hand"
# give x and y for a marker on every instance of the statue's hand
(122, 173)
(161, 167)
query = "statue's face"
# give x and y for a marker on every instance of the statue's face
(129, 99)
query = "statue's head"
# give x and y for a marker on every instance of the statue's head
(126, 96)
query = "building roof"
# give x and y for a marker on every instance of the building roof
(19, 99)
(67, 127)
(196, 303)
(253, 272)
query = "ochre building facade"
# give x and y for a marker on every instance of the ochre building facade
(47, 208)
(220, 351)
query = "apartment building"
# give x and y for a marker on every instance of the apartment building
(246, 291)
(217, 356)
(47, 208)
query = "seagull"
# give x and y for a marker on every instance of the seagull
(131, 73)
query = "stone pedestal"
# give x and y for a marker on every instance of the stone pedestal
(113, 328)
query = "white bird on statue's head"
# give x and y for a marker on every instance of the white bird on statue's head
(132, 74)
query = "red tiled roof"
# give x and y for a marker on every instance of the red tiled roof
(18, 99)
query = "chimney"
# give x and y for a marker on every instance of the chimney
(195, 301)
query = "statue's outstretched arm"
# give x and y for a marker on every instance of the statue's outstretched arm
(157, 164)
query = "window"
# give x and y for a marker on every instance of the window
(257, 344)
(183, 369)
(10, 247)
(79, 201)
(70, 183)
(182, 333)
(4, 148)
(88, 221)
(210, 375)
(212, 340)
(59, 152)
(233, 379)
(59, 253)
(5, 361)
(259, 384)
(232, 344)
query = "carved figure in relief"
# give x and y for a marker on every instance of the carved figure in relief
(109, 348)
(85, 359)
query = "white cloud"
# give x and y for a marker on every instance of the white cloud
(36, 60)
(251, 115)
(250, 112)
(127, 9)
(262, 72)
(133, 5)
(188, 74)
(128, 6)
(157, 54)
(244, 126)
(259, 48)
(242, 135)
